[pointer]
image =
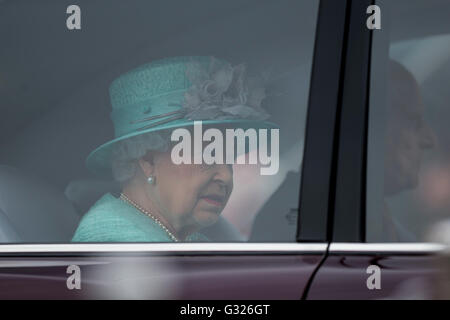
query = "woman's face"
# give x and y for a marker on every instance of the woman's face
(193, 195)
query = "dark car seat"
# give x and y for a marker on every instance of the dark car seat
(83, 193)
(32, 211)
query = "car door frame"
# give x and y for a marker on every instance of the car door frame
(344, 272)
(317, 184)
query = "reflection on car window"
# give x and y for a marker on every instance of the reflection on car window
(408, 135)
(170, 126)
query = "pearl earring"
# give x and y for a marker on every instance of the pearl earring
(151, 180)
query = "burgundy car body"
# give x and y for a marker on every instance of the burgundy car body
(258, 272)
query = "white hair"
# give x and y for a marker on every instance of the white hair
(126, 153)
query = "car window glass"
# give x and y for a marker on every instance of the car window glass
(408, 170)
(118, 120)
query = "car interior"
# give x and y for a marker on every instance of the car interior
(54, 102)
(419, 39)
(54, 83)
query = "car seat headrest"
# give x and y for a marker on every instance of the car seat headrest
(33, 211)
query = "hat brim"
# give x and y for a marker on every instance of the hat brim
(99, 160)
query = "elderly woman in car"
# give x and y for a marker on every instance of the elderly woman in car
(162, 201)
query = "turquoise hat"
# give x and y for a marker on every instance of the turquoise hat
(174, 92)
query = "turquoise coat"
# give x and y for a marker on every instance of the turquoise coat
(111, 219)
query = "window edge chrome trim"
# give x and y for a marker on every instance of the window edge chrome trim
(227, 248)
(166, 248)
(386, 248)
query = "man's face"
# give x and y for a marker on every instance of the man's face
(407, 136)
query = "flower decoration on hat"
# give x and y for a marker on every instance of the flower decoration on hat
(221, 91)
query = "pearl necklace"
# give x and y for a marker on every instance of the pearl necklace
(134, 204)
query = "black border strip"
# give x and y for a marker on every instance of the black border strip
(314, 205)
(350, 197)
